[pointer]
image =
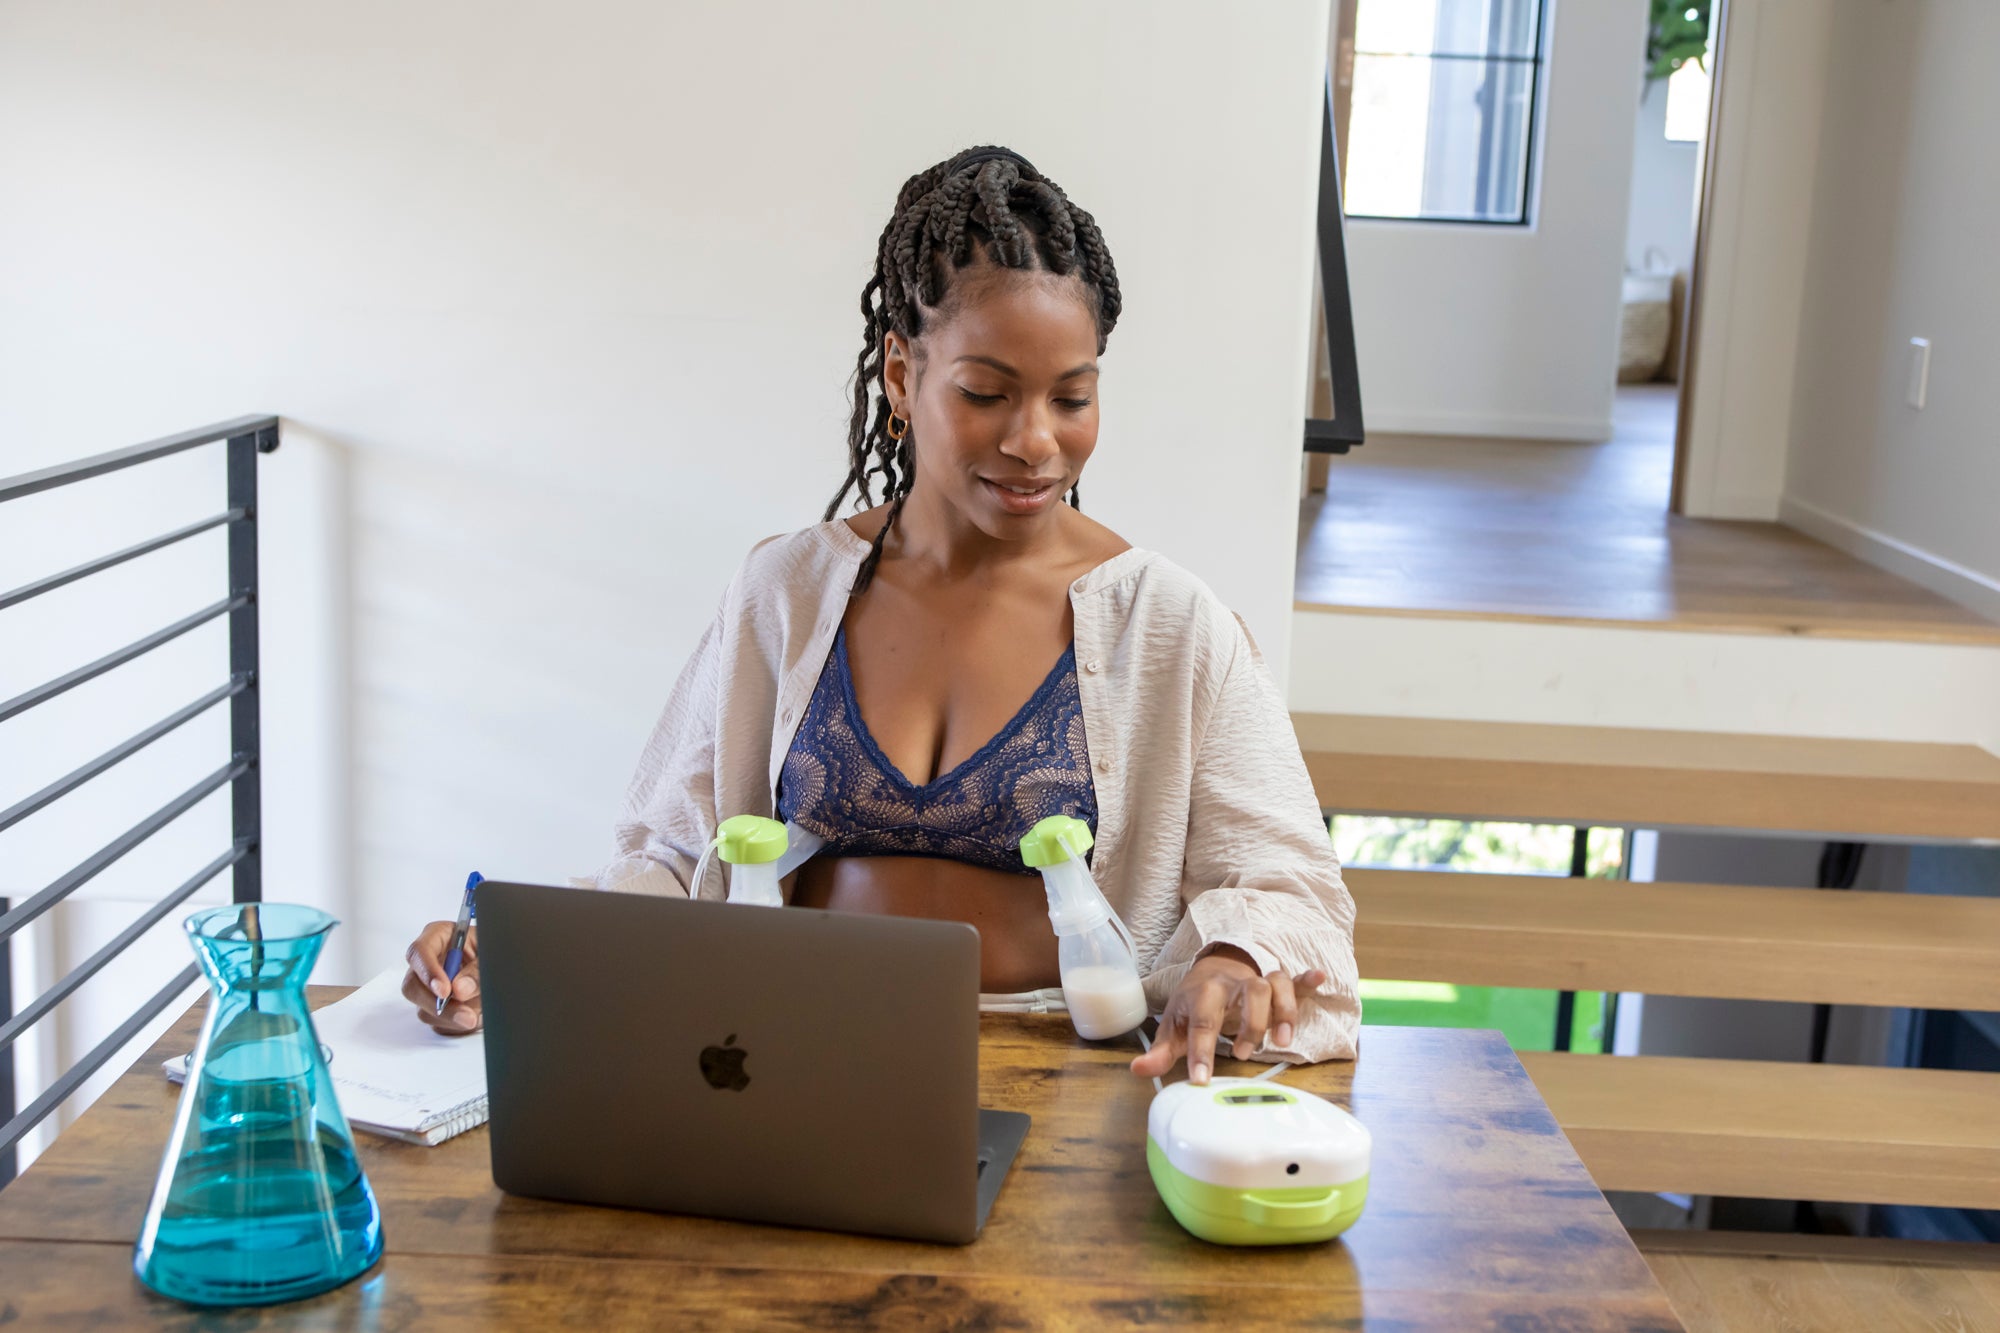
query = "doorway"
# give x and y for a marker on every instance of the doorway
(1490, 482)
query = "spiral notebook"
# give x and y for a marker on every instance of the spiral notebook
(393, 1075)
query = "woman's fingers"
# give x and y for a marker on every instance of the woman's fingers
(1284, 1008)
(1165, 1050)
(426, 983)
(416, 992)
(459, 1019)
(466, 985)
(426, 957)
(1203, 1018)
(1255, 1015)
(1196, 1016)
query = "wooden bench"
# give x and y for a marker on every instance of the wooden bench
(1729, 1127)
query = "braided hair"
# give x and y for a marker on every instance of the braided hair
(984, 205)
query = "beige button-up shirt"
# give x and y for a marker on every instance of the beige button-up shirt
(1208, 830)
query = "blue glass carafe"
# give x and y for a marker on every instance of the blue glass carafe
(260, 1196)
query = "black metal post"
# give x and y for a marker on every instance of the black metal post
(1344, 429)
(1839, 866)
(7, 1158)
(246, 807)
(1579, 867)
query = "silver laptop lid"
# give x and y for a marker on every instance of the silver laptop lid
(781, 1065)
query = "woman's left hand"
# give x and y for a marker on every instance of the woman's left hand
(1219, 991)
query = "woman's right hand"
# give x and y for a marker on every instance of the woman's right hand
(425, 983)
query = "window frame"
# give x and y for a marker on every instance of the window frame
(1536, 62)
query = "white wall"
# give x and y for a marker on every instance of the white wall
(1661, 213)
(1513, 331)
(1902, 245)
(558, 303)
(1615, 676)
(1751, 288)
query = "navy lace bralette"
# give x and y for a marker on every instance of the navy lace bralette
(837, 783)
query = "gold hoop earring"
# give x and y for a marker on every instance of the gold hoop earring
(895, 434)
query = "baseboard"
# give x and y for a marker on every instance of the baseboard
(1740, 508)
(1584, 430)
(1944, 577)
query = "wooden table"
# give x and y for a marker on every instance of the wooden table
(1479, 1216)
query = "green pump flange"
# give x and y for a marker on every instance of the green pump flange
(1042, 845)
(750, 840)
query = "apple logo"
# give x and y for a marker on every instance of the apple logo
(722, 1065)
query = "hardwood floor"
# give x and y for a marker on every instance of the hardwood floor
(1521, 529)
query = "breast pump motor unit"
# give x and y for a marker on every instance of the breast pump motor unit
(1243, 1161)
(1100, 964)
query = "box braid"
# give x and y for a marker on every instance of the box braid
(982, 206)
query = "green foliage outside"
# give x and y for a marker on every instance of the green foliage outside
(1526, 1017)
(1676, 33)
(1454, 844)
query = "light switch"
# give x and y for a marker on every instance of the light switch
(1920, 372)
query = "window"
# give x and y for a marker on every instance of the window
(1443, 113)
(1687, 100)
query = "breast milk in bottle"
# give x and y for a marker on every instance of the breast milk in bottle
(1100, 966)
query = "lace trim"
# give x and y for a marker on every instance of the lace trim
(838, 783)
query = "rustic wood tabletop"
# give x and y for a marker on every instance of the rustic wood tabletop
(1479, 1216)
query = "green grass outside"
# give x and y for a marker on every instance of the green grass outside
(1526, 1017)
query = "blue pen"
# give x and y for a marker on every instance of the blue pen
(454, 957)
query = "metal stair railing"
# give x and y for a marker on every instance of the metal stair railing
(243, 440)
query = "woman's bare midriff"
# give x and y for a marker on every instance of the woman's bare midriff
(1017, 947)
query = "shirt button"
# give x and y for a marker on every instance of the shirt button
(1093, 666)
(1104, 765)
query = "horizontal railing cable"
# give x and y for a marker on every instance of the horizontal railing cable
(12, 1132)
(242, 441)
(62, 474)
(125, 842)
(90, 966)
(69, 782)
(21, 703)
(89, 567)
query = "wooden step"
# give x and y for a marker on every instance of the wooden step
(1838, 1133)
(1880, 1286)
(1913, 950)
(1650, 779)
(1832, 1248)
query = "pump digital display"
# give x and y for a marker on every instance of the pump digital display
(1254, 1098)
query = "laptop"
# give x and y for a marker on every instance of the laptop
(783, 1065)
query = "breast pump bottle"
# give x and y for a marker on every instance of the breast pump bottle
(1100, 964)
(752, 847)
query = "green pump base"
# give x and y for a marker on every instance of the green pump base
(1255, 1217)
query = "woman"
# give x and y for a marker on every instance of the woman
(864, 678)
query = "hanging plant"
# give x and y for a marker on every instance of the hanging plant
(1676, 34)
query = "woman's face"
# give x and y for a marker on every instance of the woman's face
(1004, 403)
